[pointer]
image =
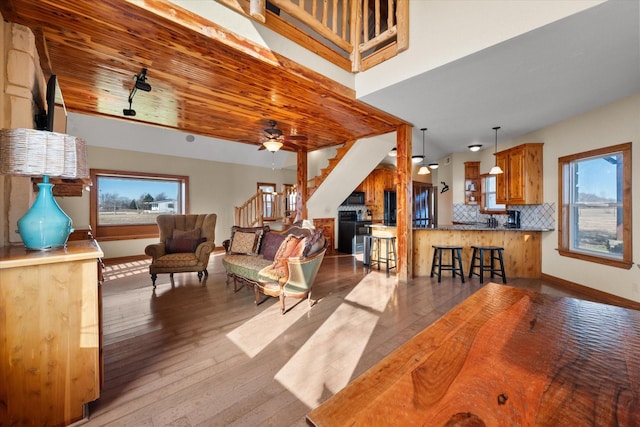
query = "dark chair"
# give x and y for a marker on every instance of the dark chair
(455, 257)
(495, 266)
(388, 256)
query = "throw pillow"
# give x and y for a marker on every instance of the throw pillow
(291, 247)
(190, 234)
(243, 243)
(270, 244)
(314, 243)
(181, 245)
(259, 232)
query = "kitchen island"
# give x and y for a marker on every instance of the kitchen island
(522, 246)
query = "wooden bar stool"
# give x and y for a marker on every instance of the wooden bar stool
(456, 256)
(388, 257)
(496, 263)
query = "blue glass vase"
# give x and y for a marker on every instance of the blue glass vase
(45, 225)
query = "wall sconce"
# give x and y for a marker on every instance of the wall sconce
(30, 152)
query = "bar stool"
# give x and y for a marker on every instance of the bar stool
(388, 257)
(456, 256)
(477, 261)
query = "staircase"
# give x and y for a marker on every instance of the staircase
(314, 183)
(266, 207)
(336, 180)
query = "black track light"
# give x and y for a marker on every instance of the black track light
(141, 81)
(141, 84)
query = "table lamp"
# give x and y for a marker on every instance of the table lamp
(30, 152)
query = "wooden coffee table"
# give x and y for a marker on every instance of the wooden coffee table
(503, 357)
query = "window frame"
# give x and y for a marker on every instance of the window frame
(483, 201)
(133, 231)
(564, 209)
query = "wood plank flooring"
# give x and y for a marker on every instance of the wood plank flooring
(200, 354)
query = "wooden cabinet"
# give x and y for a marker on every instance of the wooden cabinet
(49, 324)
(521, 180)
(374, 186)
(471, 183)
(328, 231)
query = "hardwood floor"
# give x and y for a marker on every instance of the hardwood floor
(203, 355)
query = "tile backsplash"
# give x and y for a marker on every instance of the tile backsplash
(531, 216)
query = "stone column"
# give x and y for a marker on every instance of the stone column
(24, 86)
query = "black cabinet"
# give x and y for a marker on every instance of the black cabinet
(351, 236)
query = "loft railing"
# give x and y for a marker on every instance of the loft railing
(267, 207)
(355, 34)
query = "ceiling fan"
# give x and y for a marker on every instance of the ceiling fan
(274, 139)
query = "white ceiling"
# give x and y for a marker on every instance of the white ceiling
(526, 83)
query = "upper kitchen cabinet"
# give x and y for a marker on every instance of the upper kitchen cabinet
(380, 179)
(521, 182)
(471, 183)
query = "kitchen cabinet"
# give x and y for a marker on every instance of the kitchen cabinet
(374, 186)
(521, 180)
(49, 351)
(328, 231)
(471, 183)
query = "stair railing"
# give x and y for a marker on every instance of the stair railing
(266, 206)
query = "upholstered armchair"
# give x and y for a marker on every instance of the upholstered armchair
(186, 241)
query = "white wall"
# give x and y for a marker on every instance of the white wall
(613, 124)
(214, 187)
(467, 26)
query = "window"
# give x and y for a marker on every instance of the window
(268, 199)
(290, 193)
(124, 205)
(488, 188)
(595, 206)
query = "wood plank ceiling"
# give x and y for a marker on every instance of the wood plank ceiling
(204, 80)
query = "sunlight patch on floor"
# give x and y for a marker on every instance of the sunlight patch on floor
(252, 337)
(326, 362)
(118, 271)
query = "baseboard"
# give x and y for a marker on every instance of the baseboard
(594, 293)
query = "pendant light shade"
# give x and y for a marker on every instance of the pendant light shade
(496, 169)
(424, 170)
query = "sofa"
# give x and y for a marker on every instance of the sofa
(274, 263)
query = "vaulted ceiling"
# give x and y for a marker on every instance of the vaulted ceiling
(204, 80)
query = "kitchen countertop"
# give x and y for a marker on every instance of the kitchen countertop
(465, 227)
(484, 227)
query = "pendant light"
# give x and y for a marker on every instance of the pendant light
(496, 169)
(423, 169)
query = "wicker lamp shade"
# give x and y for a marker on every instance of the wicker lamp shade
(30, 152)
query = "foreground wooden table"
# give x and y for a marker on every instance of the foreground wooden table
(504, 357)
